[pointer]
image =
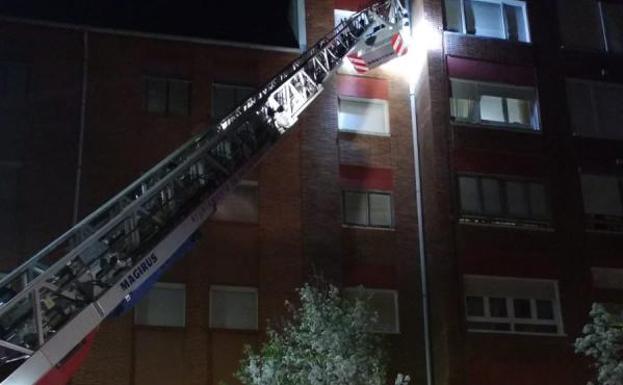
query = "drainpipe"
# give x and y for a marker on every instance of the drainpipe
(420, 217)
(83, 106)
(421, 240)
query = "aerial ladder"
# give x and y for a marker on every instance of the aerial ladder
(52, 304)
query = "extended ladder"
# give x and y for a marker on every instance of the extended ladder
(58, 297)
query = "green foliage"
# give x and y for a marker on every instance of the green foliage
(326, 341)
(602, 341)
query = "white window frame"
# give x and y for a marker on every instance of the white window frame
(356, 289)
(368, 192)
(497, 125)
(511, 319)
(235, 289)
(516, 3)
(382, 102)
(167, 285)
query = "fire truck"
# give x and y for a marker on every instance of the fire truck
(51, 305)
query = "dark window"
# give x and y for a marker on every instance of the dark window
(226, 97)
(363, 208)
(167, 96)
(497, 307)
(475, 306)
(594, 108)
(14, 81)
(522, 308)
(488, 197)
(544, 309)
(603, 202)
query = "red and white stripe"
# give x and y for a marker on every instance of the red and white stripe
(398, 44)
(360, 65)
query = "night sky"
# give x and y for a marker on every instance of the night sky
(253, 21)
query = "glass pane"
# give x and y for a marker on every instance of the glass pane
(356, 208)
(380, 210)
(483, 18)
(580, 105)
(516, 199)
(156, 95)
(463, 101)
(453, 16)
(491, 108)
(515, 19)
(601, 195)
(355, 115)
(233, 309)
(608, 109)
(613, 20)
(497, 307)
(179, 97)
(544, 309)
(491, 196)
(522, 308)
(162, 306)
(470, 197)
(538, 201)
(240, 205)
(384, 305)
(474, 306)
(580, 24)
(519, 111)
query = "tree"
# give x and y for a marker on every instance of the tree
(326, 341)
(602, 341)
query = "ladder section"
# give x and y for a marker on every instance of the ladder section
(50, 303)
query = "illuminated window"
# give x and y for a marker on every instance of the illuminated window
(503, 19)
(240, 205)
(493, 200)
(494, 104)
(226, 97)
(384, 303)
(511, 305)
(233, 307)
(603, 202)
(164, 305)
(167, 96)
(595, 108)
(365, 208)
(365, 116)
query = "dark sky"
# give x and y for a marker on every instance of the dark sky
(253, 21)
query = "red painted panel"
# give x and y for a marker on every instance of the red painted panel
(487, 71)
(498, 163)
(351, 5)
(366, 177)
(362, 87)
(370, 275)
(63, 372)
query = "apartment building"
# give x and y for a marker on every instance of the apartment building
(517, 128)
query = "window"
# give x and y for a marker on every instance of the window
(14, 80)
(164, 305)
(492, 200)
(603, 202)
(384, 303)
(240, 205)
(364, 208)
(226, 97)
(502, 19)
(494, 104)
(592, 25)
(233, 307)
(366, 116)
(511, 305)
(607, 278)
(594, 108)
(167, 96)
